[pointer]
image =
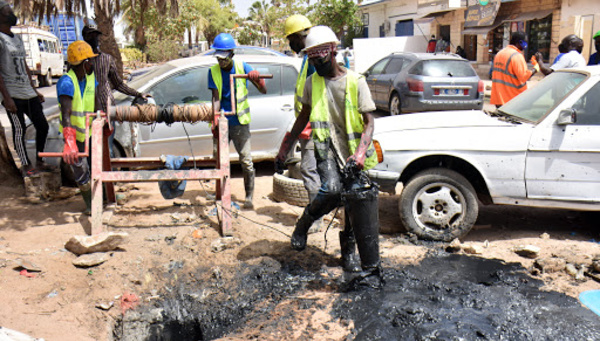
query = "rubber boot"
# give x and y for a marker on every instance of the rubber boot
(249, 187)
(300, 234)
(86, 193)
(317, 225)
(350, 260)
(363, 212)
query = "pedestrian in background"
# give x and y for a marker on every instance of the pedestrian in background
(561, 52)
(18, 94)
(595, 57)
(296, 29)
(239, 124)
(109, 78)
(571, 59)
(431, 44)
(338, 104)
(76, 92)
(509, 71)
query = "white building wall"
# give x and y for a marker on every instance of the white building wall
(580, 17)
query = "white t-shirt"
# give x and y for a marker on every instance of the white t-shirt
(572, 59)
(12, 67)
(336, 93)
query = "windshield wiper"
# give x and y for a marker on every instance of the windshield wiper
(503, 116)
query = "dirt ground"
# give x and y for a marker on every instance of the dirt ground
(169, 239)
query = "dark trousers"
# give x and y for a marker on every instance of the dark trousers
(33, 109)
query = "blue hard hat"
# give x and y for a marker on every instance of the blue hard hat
(224, 41)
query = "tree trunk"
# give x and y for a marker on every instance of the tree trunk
(9, 173)
(108, 43)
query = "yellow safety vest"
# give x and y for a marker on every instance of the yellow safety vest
(300, 82)
(81, 106)
(241, 91)
(319, 116)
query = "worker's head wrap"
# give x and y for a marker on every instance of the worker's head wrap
(3, 4)
(321, 51)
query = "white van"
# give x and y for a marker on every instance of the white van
(44, 53)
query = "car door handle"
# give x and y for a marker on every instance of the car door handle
(287, 107)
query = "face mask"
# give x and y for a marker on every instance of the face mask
(324, 68)
(224, 62)
(296, 46)
(88, 67)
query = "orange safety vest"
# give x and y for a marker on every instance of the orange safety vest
(509, 75)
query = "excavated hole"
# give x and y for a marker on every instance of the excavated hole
(445, 297)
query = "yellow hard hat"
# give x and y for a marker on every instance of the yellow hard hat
(78, 51)
(296, 23)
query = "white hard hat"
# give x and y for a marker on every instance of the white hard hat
(319, 35)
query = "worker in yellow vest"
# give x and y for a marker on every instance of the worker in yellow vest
(76, 97)
(338, 104)
(297, 27)
(239, 124)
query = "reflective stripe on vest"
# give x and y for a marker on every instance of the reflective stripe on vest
(241, 91)
(81, 106)
(300, 82)
(319, 116)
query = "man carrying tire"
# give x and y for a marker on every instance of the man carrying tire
(337, 102)
(239, 124)
(296, 29)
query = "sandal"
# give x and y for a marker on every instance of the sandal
(30, 172)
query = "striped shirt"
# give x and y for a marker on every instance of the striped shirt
(109, 78)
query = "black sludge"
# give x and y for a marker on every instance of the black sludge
(454, 297)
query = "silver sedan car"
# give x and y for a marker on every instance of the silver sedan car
(186, 81)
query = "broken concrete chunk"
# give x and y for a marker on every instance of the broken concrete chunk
(454, 246)
(27, 265)
(545, 236)
(89, 260)
(103, 242)
(577, 274)
(105, 305)
(528, 251)
(224, 243)
(550, 265)
(9, 334)
(472, 249)
(596, 265)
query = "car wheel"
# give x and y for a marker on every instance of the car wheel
(287, 189)
(438, 204)
(395, 105)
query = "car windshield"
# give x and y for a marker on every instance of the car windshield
(443, 68)
(533, 104)
(144, 79)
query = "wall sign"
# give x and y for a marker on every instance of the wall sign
(482, 15)
(483, 2)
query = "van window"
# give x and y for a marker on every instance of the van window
(41, 45)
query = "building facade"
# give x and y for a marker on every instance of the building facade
(483, 27)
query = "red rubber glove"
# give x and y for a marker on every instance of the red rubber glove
(70, 150)
(253, 76)
(286, 145)
(361, 153)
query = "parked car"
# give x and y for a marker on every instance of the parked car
(540, 149)
(256, 50)
(186, 81)
(44, 53)
(411, 82)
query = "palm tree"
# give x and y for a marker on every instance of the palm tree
(264, 15)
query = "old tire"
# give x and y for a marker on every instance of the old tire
(438, 204)
(395, 107)
(286, 189)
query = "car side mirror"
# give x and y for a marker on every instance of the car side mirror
(366, 74)
(567, 116)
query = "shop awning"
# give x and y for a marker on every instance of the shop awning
(529, 16)
(485, 29)
(436, 14)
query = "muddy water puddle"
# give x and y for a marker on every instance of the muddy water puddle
(446, 297)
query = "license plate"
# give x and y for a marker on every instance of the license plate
(451, 92)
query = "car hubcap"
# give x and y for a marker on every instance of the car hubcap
(439, 206)
(395, 105)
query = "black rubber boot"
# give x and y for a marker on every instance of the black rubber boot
(86, 193)
(249, 187)
(350, 259)
(300, 234)
(316, 226)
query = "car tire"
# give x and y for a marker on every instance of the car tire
(289, 190)
(453, 206)
(395, 107)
